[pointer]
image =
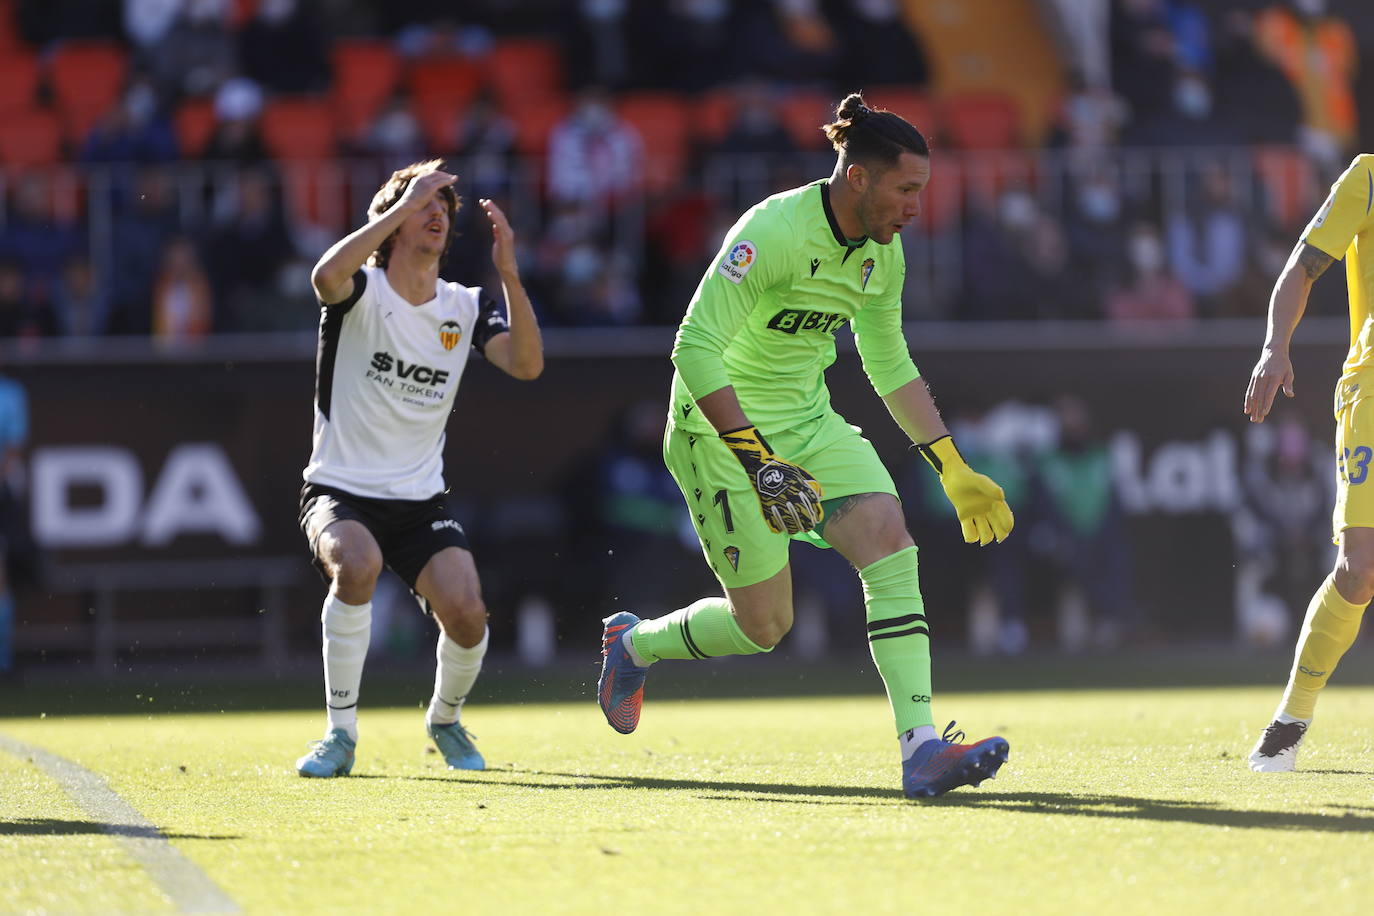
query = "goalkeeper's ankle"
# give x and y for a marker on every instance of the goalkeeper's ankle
(639, 660)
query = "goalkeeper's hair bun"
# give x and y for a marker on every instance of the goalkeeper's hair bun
(872, 136)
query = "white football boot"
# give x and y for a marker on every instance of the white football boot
(1276, 751)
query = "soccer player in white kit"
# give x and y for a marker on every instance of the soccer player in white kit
(394, 340)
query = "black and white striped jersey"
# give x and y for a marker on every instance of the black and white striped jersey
(385, 378)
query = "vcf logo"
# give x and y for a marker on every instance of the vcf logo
(771, 480)
(450, 332)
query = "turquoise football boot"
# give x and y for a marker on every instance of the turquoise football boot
(455, 743)
(331, 757)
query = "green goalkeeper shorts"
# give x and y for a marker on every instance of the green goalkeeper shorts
(739, 546)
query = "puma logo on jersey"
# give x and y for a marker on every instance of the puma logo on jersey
(383, 362)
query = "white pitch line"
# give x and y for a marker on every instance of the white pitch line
(189, 888)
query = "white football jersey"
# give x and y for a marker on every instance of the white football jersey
(385, 377)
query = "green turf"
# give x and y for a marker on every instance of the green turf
(1125, 800)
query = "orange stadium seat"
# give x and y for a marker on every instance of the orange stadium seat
(18, 78)
(713, 114)
(438, 123)
(986, 174)
(316, 193)
(1290, 186)
(10, 40)
(86, 75)
(519, 70)
(663, 123)
(452, 81)
(942, 201)
(32, 137)
(534, 122)
(366, 73)
(803, 112)
(912, 104)
(194, 124)
(982, 120)
(299, 128)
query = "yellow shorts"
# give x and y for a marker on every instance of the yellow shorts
(1354, 466)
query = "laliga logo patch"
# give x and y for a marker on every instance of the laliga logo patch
(867, 271)
(740, 259)
(450, 332)
(770, 480)
(732, 554)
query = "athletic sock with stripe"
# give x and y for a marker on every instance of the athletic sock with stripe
(704, 629)
(347, 631)
(899, 640)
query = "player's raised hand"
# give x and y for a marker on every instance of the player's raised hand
(503, 238)
(1272, 374)
(421, 190)
(979, 502)
(789, 497)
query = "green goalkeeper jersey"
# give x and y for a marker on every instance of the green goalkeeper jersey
(764, 316)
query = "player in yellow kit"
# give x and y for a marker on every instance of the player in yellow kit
(1341, 229)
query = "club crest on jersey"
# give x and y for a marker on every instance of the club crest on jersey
(732, 554)
(740, 259)
(867, 271)
(450, 332)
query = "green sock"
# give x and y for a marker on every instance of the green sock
(704, 629)
(1329, 630)
(897, 636)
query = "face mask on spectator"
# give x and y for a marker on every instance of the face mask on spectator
(1017, 210)
(140, 103)
(1099, 203)
(1147, 254)
(1192, 97)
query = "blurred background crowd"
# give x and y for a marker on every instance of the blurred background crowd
(173, 167)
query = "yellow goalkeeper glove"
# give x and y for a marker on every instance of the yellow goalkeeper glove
(789, 497)
(978, 501)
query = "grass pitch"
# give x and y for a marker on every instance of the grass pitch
(1125, 800)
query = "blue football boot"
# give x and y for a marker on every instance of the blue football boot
(455, 743)
(620, 690)
(331, 757)
(941, 764)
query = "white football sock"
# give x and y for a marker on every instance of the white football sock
(347, 630)
(914, 738)
(453, 677)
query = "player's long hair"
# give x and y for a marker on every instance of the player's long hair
(389, 193)
(874, 137)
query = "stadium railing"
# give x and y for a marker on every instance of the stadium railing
(115, 628)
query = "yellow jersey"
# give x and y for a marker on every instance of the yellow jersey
(1344, 228)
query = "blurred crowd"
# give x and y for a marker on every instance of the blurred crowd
(186, 188)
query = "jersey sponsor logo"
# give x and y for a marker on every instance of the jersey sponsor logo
(867, 271)
(446, 523)
(790, 321)
(739, 261)
(732, 554)
(450, 332)
(1326, 209)
(411, 378)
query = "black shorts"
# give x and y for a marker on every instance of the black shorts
(409, 531)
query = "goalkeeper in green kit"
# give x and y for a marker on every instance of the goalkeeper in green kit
(761, 456)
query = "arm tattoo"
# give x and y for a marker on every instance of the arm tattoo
(1313, 261)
